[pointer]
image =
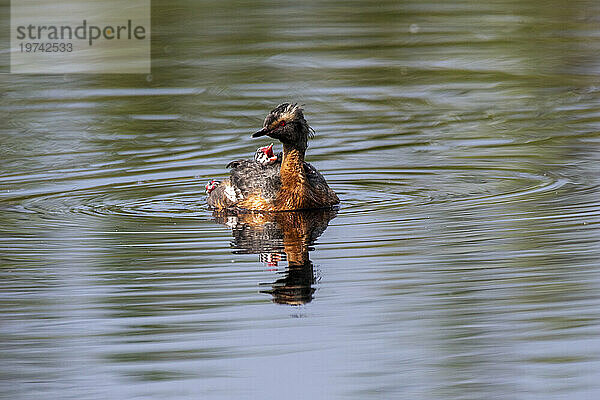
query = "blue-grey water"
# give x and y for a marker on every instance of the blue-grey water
(464, 262)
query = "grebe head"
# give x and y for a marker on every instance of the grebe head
(265, 155)
(286, 123)
(211, 185)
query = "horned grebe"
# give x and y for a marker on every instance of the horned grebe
(275, 182)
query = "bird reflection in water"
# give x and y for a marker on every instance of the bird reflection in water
(280, 237)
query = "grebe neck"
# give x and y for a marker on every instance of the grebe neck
(292, 166)
(294, 193)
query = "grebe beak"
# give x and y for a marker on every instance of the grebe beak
(262, 132)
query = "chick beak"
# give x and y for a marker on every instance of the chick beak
(262, 132)
(268, 150)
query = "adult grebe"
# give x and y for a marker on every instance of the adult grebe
(272, 182)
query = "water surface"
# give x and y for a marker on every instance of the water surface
(461, 137)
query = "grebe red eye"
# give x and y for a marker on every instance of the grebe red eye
(282, 123)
